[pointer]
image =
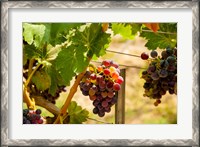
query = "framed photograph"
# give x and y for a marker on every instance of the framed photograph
(99, 73)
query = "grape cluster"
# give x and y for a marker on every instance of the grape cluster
(32, 116)
(101, 84)
(45, 94)
(161, 75)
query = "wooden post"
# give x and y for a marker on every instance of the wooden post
(120, 105)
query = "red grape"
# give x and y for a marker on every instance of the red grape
(93, 76)
(106, 71)
(104, 104)
(114, 65)
(106, 63)
(116, 86)
(144, 56)
(120, 80)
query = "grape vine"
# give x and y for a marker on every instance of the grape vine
(54, 54)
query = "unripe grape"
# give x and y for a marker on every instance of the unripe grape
(115, 75)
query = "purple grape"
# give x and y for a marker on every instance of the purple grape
(96, 102)
(163, 73)
(164, 54)
(146, 85)
(169, 51)
(151, 69)
(107, 109)
(155, 76)
(101, 113)
(85, 93)
(38, 111)
(24, 120)
(171, 60)
(104, 103)
(154, 54)
(171, 83)
(87, 74)
(171, 68)
(109, 85)
(171, 91)
(95, 110)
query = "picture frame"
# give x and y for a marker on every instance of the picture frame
(6, 6)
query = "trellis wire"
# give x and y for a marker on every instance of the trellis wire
(161, 32)
(128, 66)
(123, 53)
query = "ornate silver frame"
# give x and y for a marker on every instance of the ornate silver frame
(5, 141)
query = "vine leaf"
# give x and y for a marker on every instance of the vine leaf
(136, 27)
(33, 34)
(25, 58)
(52, 52)
(125, 30)
(66, 63)
(56, 79)
(86, 41)
(161, 40)
(60, 30)
(42, 80)
(77, 114)
(91, 38)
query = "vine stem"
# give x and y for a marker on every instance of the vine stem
(30, 103)
(29, 78)
(30, 66)
(72, 91)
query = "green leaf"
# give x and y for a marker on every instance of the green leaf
(65, 64)
(73, 59)
(136, 27)
(52, 52)
(31, 52)
(60, 30)
(33, 34)
(56, 79)
(42, 80)
(124, 30)
(44, 55)
(47, 34)
(24, 59)
(77, 114)
(91, 38)
(161, 40)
